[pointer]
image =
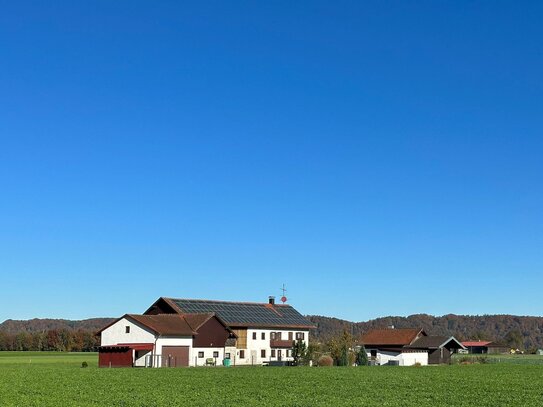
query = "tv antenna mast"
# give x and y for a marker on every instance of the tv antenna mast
(283, 297)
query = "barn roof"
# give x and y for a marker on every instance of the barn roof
(391, 337)
(242, 314)
(469, 344)
(436, 342)
(166, 324)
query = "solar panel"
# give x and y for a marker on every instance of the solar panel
(244, 313)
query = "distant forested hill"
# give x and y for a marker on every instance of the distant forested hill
(11, 326)
(516, 331)
(51, 334)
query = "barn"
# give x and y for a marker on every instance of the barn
(171, 340)
(406, 347)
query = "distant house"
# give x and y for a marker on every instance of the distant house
(406, 347)
(184, 332)
(539, 352)
(484, 347)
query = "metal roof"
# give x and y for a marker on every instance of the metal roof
(245, 314)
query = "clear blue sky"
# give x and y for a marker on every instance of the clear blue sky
(379, 158)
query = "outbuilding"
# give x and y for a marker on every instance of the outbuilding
(171, 340)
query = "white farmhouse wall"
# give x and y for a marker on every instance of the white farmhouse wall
(207, 353)
(253, 352)
(116, 334)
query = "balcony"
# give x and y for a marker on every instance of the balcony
(280, 343)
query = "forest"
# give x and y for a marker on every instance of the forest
(525, 333)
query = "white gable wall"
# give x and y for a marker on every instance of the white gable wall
(116, 334)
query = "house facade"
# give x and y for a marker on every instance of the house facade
(408, 347)
(183, 332)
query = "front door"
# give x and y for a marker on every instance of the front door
(279, 354)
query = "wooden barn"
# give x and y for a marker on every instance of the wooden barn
(406, 347)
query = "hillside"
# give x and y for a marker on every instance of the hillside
(12, 326)
(519, 331)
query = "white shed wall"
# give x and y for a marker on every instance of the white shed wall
(116, 334)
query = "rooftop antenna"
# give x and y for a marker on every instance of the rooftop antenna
(283, 297)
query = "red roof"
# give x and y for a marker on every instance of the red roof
(469, 344)
(391, 337)
(166, 324)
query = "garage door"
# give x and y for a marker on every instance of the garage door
(175, 356)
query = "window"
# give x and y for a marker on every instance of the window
(215, 354)
(254, 335)
(300, 335)
(279, 336)
(127, 329)
(273, 353)
(242, 354)
(290, 336)
(263, 353)
(227, 355)
(200, 354)
(263, 335)
(288, 353)
(272, 336)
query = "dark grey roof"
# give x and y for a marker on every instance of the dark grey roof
(246, 314)
(436, 342)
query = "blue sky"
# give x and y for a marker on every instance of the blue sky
(379, 158)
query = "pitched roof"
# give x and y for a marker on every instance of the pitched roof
(391, 337)
(436, 342)
(165, 324)
(469, 344)
(244, 314)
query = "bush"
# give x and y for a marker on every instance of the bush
(362, 357)
(84, 364)
(325, 361)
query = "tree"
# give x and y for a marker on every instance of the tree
(341, 349)
(514, 339)
(299, 351)
(362, 357)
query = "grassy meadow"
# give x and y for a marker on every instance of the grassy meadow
(57, 379)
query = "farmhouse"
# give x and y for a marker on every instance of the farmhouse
(185, 332)
(406, 347)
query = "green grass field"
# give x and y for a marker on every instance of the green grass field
(56, 379)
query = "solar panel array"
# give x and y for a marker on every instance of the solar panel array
(251, 314)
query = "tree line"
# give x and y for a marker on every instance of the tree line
(62, 340)
(521, 332)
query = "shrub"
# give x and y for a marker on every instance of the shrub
(326, 361)
(362, 357)
(84, 364)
